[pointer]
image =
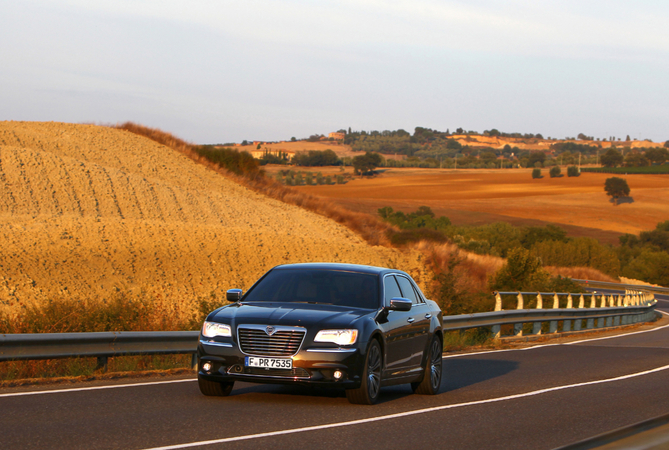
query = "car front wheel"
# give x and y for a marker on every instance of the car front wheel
(368, 392)
(215, 388)
(432, 373)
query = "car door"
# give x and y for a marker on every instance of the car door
(397, 331)
(418, 321)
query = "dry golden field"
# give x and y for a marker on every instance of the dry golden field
(87, 211)
(470, 196)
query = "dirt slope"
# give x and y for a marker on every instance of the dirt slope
(86, 211)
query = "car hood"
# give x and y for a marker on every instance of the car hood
(290, 314)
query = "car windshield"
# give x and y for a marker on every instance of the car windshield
(328, 287)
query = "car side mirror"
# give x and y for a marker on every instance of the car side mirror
(400, 304)
(233, 295)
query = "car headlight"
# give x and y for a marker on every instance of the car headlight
(213, 329)
(339, 337)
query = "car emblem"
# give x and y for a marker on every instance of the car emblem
(270, 330)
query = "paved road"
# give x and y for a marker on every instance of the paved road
(536, 398)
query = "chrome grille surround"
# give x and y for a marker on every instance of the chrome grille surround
(284, 341)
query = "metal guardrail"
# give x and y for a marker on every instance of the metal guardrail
(609, 310)
(101, 345)
(603, 311)
(617, 286)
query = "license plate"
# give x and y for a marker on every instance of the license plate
(269, 363)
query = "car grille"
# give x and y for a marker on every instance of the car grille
(255, 341)
(296, 372)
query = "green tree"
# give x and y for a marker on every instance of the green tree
(555, 171)
(650, 266)
(612, 158)
(536, 173)
(316, 158)
(615, 188)
(365, 164)
(537, 157)
(657, 155)
(522, 272)
(635, 159)
(572, 171)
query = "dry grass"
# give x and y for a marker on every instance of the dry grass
(370, 228)
(580, 273)
(473, 270)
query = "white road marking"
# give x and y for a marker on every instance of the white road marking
(404, 414)
(93, 388)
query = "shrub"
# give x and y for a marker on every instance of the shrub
(240, 163)
(572, 171)
(316, 158)
(404, 237)
(555, 172)
(578, 252)
(536, 173)
(522, 271)
(650, 266)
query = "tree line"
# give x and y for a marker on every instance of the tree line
(644, 256)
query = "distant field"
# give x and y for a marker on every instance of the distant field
(579, 204)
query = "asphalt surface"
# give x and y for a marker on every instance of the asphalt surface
(542, 397)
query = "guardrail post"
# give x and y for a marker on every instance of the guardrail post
(536, 327)
(498, 302)
(518, 327)
(497, 329)
(553, 326)
(102, 363)
(193, 361)
(566, 325)
(593, 301)
(603, 303)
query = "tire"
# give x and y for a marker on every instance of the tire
(432, 374)
(214, 388)
(368, 392)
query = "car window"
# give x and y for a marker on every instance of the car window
(419, 293)
(391, 288)
(333, 287)
(407, 289)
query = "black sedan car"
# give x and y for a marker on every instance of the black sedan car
(343, 326)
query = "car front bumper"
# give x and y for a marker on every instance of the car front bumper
(311, 366)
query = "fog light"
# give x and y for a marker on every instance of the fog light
(337, 374)
(206, 366)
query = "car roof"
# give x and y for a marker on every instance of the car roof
(338, 266)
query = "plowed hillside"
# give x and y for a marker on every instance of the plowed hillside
(87, 211)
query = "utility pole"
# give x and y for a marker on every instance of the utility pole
(456, 160)
(579, 162)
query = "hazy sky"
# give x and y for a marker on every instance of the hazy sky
(215, 71)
